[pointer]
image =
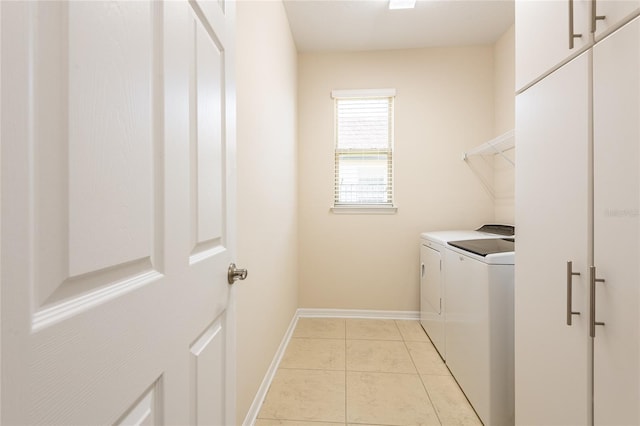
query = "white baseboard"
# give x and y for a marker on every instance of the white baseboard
(252, 414)
(357, 313)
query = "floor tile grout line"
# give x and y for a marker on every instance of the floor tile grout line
(456, 383)
(359, 338)
(377, 338)
(346, 405)
(386, 372)
(317, 338)
(316, 369)
(395, 322)
(435, 410)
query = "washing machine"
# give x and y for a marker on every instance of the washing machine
(479, 325)
(432, 276)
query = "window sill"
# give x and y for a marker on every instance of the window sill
(364, 209)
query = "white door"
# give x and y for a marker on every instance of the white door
(616, 76)
(117, 212)
(551, 357)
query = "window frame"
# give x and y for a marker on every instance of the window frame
(365, 208)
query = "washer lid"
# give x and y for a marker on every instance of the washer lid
(506, 230)
(485, 247)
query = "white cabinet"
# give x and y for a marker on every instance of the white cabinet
(616, 95)
(543, 31)
(551, 216)
(578, 200)
(612, 13)
(549, 32)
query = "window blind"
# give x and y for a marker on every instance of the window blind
(363, 150)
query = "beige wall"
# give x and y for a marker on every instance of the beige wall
(505, 77)
(298, 253)
(444, 105)
(504, 95)
(267, 190)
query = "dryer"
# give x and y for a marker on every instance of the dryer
(433, 271)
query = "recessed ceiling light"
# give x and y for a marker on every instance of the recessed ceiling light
(401, 4)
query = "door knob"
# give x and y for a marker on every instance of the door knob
(234, 274)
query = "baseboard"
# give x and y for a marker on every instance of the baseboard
(357, 313)
(252, 414)
(254, 410)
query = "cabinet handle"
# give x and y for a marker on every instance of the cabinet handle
(572, 35)
(570, 274)
(594, 16)
(422, 270)
(593, 280)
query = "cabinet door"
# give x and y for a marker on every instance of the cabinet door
(551, 215)
(617, 226)
(614, 11)
(542, 35)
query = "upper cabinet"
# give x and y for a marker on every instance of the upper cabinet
(609, 14)
(547, 33)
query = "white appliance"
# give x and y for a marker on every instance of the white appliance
(432, 275)
(479, 325)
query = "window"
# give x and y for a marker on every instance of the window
(363, 149)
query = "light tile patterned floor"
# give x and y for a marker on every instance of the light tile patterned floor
(363, 372)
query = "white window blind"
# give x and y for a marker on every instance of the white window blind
(363, 148)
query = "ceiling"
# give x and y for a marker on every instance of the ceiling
(355, 25)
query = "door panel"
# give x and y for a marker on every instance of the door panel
(208, 376)
(147, 410)
(117, 198)
(109, 132)
(617, 225)
(552, 130)
(93, 186)
(208, 149)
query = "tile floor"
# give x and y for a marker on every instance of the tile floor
(363, 372)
